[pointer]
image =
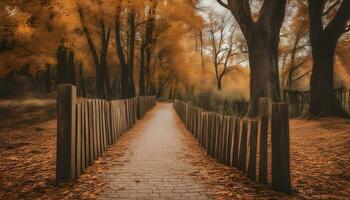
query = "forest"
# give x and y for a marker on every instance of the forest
(221, 56)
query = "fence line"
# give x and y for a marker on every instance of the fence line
(235, 142)
(86, 128)
(299, 101)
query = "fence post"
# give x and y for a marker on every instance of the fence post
(252, 149)
(65, 155)
(236, 137)
(243, 147)
(264, 123)
(280, 148)
(230, 140)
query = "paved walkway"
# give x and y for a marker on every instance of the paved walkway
(154, 164)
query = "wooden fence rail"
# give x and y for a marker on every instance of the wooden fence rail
(243, 143)
(86, 128)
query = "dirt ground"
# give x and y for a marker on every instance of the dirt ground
(320, 159)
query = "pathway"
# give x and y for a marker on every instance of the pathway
(154, 164)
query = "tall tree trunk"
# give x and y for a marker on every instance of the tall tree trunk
(131, 53)
(146, 49)
(323, 43)
(124, 75)
(322, 100)
(264, 73)
(142, 86)
(102, 80)
(103, 61)
(126, 63)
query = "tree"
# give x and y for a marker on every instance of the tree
(103, 87)
(295, 49)
(146, 47)
(126, 62)
(65, 70)
(294, 64)
(162, 72)
(262, 37)
(324, 38)
(223, 46)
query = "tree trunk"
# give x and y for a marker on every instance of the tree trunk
(323, 43)
(131, 53)
(127, 86)
(82, 85)
(142, 72)
(322, 100)
(47, 78)
(264, 75)
(219, 82)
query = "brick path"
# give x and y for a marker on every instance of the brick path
(154, 164)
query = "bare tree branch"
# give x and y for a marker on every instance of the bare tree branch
(223, 4)
(330, 8)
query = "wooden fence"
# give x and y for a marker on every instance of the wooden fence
(86, 128)
(299, 101)
(237, 108)
(243, 143)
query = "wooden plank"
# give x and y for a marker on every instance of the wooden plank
(112, 116)
(105, 127)
(94, 116)
(101, 126)
(126, 114)
(103, 121)
(281, 180)
(236, 142)
(108, 124)
(91, 132)
(216, 135)
(264, 123)
(231, 122)
(252, 149)
(115, 122)
(98, 128)
(118, 120)
(78, 141)
(224, 140)
(86, 134)
(65, 154)
(108, 128)
(83, 139)
(243, 147)
(213, 135)
(207, 123)
(204, 130)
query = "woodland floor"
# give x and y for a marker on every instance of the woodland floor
(320, 158)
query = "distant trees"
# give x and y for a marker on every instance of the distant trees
(295, 49)
(65, 73)
(224, 48)
(328, 21)
(162, 74)
(295, 61)
(262, 36)
(126, 55)
(147, 45)
(47, 78)
(103, 88)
